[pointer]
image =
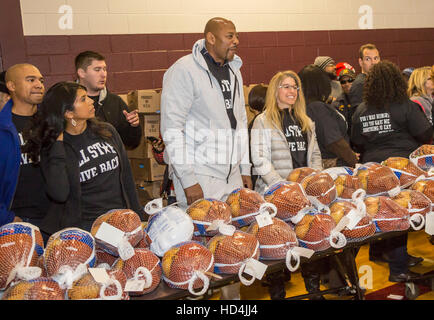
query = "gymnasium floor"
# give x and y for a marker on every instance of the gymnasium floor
(418, 245)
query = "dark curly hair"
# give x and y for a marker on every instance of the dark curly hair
(48, 122)
(384, 85)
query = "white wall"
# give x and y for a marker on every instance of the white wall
(41, 17)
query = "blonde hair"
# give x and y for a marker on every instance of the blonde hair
(272, 110)
(416, 83)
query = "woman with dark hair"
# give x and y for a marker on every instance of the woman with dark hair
(83, 160)
(330, 125)
(387, 124)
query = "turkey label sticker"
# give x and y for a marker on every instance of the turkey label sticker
(255, 268)
(135, 285)
(264, 219)
(429, 223)
(110, 234)
(99, 275)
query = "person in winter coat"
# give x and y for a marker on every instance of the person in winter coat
(283, 137)
(421, 90)
(83, 160)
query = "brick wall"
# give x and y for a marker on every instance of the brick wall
(139, 61)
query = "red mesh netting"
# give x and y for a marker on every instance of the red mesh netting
(142, 259)
(21, 245)
(37, 289)
(230, 251)
(425, 186)
(363, 230)
(403, 168)
(181, 262)
(313, 231)
(414, 201)
(87, 288)
(346, 185)
(145, 241)
(298, 174)
(69, 248)
(208, 210)
(245, 204)
(125, 220)
(104, 257)
(289, 199)
(423, 157)
(378, 179)
(274, 239)
(387, 214)
(321, 187)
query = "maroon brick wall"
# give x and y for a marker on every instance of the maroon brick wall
(139, 61)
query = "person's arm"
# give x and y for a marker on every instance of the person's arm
(129, 129)
(260, 144)
(342, 149)
(54, 172)
(418, 124)
(176, 101)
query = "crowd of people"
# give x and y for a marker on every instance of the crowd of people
(63, 157)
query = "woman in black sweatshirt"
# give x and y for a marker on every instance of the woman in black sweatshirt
(83, 160)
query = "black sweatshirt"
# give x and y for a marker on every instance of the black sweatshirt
(60, 167)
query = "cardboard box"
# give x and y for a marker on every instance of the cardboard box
(148, 191)
(145, 101)
(151, 125)
(147, 169)
(144, 150)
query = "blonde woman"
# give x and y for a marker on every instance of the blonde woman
(283, 136)
(421, 89)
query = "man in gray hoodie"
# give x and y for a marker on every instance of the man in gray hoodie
(203, 118)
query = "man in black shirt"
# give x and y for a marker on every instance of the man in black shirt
(368, 56)
(26, 86)
(91, 71)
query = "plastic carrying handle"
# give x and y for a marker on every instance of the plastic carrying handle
(341, 240)
(244, 280)
(118, 294)
(417, 218)
(290, 254)
(203, 277)
(146, 273)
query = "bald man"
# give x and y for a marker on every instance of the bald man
(26, 88)
(203, 119)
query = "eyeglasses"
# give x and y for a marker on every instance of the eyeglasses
(287, 86)
(345, 81)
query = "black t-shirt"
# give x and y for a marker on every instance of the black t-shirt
(330, 126)
(356, 91)
(297, 140)
(98, 110)
(384, 133)
(30, 200)
(99, 174)
(222, 74)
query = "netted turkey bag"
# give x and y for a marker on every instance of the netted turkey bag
(274, 239)
(203, 240)
(289, 199)
(298, 174)
(426, 186)
(313, 231)
(364, 229)
(406, 171)
(377, 179)
(125, 220)
(245, 204)
(145, 241)
(204, 211)
(346, 185)
(387, 214)
(143, 259)
(21, 245)
(87, 288)
(231, 251)
(41, 288)
(103, 257)
(414, 201)
(321, 187)
(182, 261)
(69, 248)
(423, 157)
